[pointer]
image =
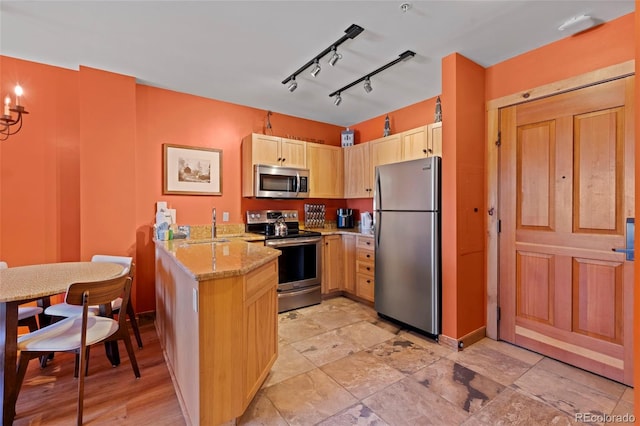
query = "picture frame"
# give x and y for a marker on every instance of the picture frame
(190, 170)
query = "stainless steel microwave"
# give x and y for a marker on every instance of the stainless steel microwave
(280, 182)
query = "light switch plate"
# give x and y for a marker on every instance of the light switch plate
(225, 216)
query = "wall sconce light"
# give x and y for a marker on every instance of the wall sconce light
(352, 32)
(366, 78)
(7, 121)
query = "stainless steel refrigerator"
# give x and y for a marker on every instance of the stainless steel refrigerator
(406, 208)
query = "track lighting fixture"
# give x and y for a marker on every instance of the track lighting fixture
(293, 85)
(335, 56)
(366, 78)
(367, 85)
(316, 68)
(352, 32)
(337, 100)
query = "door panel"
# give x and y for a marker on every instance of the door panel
(566, 188)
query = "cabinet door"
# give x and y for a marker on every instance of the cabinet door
(357, 171)
(265, 150)
(325, 171)
(435, 138)
(260, 328)
(349, 256)
(415, 143)
(384, 151)
(332, 269)
(293, 153)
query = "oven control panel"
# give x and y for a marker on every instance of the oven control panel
(269, 216)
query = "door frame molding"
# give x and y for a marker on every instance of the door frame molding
(493, 106)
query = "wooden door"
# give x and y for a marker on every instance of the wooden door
(357, 171)
(566, 190)
(293, 153)
(415, 143)
(325, 171)
(265, 150)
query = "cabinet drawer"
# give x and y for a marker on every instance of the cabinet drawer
(364, 287)
(365, 242)
(364, 254)
(364, 267)
(260, 279)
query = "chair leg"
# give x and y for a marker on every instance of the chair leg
(131, 353)
(134, 324)
(82, 367)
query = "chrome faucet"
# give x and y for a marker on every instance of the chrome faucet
(213, 223)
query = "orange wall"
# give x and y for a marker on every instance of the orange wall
(39, 167)
(607, 44)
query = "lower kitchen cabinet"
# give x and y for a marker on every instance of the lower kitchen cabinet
(365, 268)
(349, 256)
(332, 264)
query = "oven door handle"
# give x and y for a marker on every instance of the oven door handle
(292, 242)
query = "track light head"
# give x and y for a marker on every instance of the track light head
(293, 85)
(367, 85)
(337, 100)
(335, 56)
(316, 68)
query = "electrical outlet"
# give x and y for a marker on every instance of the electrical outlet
(225, 216)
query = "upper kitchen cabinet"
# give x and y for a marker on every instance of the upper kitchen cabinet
(357, 171)
(385, 150)
(435, 137)
(326, 173)
(424, 141)
(272, 151)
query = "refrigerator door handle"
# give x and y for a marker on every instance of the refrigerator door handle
(377, 196)
(377, 225)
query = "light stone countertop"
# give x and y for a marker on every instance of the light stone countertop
(223, 257)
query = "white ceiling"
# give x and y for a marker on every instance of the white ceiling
(241, 51)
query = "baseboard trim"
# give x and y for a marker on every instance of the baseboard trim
(464, 341)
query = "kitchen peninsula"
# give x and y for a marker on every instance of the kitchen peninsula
(216, 317)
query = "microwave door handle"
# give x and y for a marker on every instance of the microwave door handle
(297, 184)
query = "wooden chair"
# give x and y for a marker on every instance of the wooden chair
(65, 310)
(26, 314)
(78, 333)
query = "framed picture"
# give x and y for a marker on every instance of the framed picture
(192, 170)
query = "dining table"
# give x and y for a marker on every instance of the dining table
(28, 283)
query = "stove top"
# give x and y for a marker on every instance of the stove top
(261, 222)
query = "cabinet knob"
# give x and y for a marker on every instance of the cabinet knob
(368, 268)
(430, 150)
(284, 159)
(424, 150)
(368, 243)
(368, 256)
(368, 281)
(279, 159)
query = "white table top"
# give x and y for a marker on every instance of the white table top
(34, 281)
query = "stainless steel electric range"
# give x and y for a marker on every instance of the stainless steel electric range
(299, 265)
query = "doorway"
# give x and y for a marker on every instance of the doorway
(566, 201)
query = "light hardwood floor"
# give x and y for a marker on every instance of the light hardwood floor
(111, 395)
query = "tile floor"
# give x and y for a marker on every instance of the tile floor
(340, 364)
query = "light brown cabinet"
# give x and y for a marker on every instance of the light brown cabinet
(326, 172)
(349, 256)
(219, 336)
(332, 264)
(365, 268)
(269, 150)
(357, 171)
(384, 151)
(421, 142)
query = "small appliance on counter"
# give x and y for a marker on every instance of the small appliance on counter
(344, 218)
(366, 222)
(314, 215)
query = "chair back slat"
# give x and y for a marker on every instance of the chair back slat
(99, 292)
